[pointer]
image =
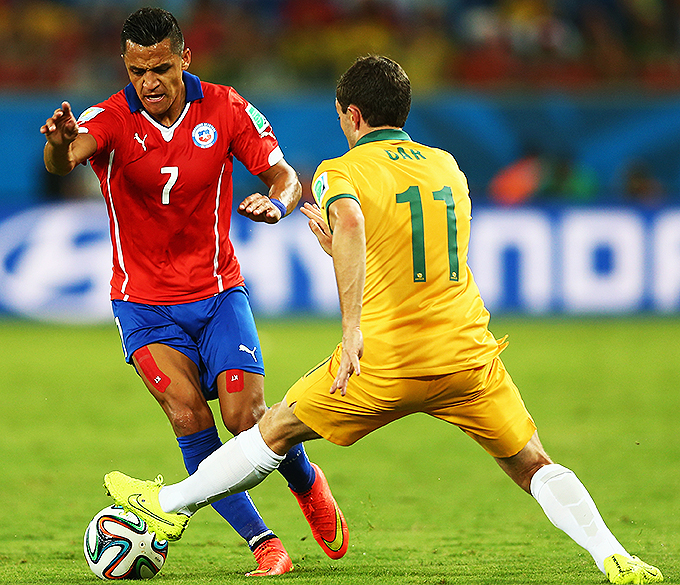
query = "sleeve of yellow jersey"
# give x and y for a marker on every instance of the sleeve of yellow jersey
(331, 182)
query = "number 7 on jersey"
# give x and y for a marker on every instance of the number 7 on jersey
(172, 179)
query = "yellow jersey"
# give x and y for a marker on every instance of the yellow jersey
(422, 312)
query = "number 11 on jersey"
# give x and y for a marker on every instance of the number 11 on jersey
(412, 197)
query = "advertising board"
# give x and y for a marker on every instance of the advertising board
(55, 262)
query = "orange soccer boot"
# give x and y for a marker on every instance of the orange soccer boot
(325, 519)
(272, 559)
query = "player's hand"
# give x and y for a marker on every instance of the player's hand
(352, 350)
(318, 226)
(61, 129)
(259, 208)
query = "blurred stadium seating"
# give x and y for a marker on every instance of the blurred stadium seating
(287, 44)
(605, 57)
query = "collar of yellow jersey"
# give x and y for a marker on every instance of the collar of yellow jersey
(384, 134)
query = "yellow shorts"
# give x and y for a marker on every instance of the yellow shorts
(483, 402)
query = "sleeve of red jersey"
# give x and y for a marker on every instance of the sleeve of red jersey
(253, 142)
(100, 121)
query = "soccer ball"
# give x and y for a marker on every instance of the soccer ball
(118, 545)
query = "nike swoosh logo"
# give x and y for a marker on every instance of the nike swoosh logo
(336, 544)
(259, 572)
(134, 502)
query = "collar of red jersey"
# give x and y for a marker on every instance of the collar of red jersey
(191, 82)
(386, 134)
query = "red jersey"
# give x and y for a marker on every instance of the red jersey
(169, 190)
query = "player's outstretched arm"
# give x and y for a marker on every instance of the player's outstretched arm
(319, 227)
(65, 147)
(349, 262)
(284, 189)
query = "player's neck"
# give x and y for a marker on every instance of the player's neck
(366, 129)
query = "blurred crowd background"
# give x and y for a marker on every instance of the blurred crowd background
(563, 114)
(597, 52)
(286, 44)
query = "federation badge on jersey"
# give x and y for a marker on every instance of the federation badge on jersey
(204, 135)
(320, 187)
(88, 114)
(259, 121)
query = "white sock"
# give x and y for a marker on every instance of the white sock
(568, 505)
(236, 466)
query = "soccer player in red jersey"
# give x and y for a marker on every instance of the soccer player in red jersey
(163, 150)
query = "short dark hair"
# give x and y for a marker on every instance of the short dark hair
(149, 26)
(379, 87)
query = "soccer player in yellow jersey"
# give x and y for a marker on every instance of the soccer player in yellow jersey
(395, 216)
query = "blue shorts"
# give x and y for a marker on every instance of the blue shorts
(217, 333)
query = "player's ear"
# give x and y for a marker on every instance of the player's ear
(354, 115)
(122, 55)
(186, 58)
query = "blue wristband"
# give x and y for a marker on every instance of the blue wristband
(280, 206)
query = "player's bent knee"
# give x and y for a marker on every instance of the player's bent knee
(187, 412)
(281, 429)
(240, 416)
(187, 421)
(242, 402)
(522, 467)
(237, 422)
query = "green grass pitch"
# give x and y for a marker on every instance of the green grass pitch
(423, 502)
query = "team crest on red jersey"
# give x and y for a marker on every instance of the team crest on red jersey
(204, 135)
